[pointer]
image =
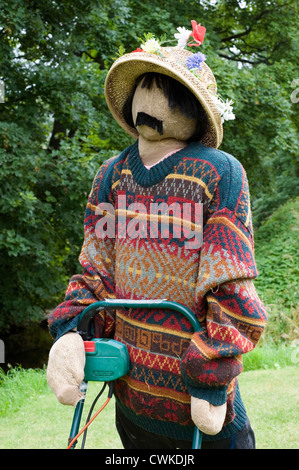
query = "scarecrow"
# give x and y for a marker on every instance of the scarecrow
(166, 98)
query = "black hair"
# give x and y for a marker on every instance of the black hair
(178, 96)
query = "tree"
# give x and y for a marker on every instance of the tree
(51, 146)
(55, 128)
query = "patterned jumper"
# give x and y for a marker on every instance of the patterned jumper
(150, 259)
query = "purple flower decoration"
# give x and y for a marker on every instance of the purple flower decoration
(195, 60)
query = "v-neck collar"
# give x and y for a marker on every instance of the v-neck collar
(150, 176)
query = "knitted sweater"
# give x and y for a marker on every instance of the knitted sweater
(149, 260)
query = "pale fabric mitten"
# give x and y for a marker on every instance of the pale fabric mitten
(208, 418)
(65, 370)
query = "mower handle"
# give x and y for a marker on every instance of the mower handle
(89, 312)
(84, 326)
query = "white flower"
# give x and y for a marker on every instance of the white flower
(225, 109)
(228, 114)
(182, 36)
(151, 46)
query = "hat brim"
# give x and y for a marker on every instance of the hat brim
(124, 72)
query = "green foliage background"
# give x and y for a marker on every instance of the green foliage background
(55, 131)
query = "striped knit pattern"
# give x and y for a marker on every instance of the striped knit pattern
(169, 361)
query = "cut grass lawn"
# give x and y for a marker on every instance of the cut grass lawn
(271, 400)
(270, 396)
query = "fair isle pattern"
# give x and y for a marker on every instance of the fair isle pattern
(168, 360)
(141, 268)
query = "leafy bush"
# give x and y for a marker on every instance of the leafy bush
(277, 257)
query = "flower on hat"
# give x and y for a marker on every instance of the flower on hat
(194, 61)
(198, 33)
(151, 46)
(182, 36)
(225, 109)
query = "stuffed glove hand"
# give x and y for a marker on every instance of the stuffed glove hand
(208, 418)
(65, 369)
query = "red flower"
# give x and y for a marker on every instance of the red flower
(198, 33)
(137, 50)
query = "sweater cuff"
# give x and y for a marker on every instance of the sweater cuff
(215, 396)
(61, 327)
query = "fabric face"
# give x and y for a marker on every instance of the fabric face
(154, 103)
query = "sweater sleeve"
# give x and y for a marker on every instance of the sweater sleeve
(231, 314)
(97, 260)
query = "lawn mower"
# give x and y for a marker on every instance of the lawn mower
(108, 360)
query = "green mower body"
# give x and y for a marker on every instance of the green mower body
(106, 360)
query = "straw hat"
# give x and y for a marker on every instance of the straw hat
(176, 62)
(126, 69)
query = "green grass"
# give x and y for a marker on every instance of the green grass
(271, 400)
(19, 385)
(39, 421)
(32, 418)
